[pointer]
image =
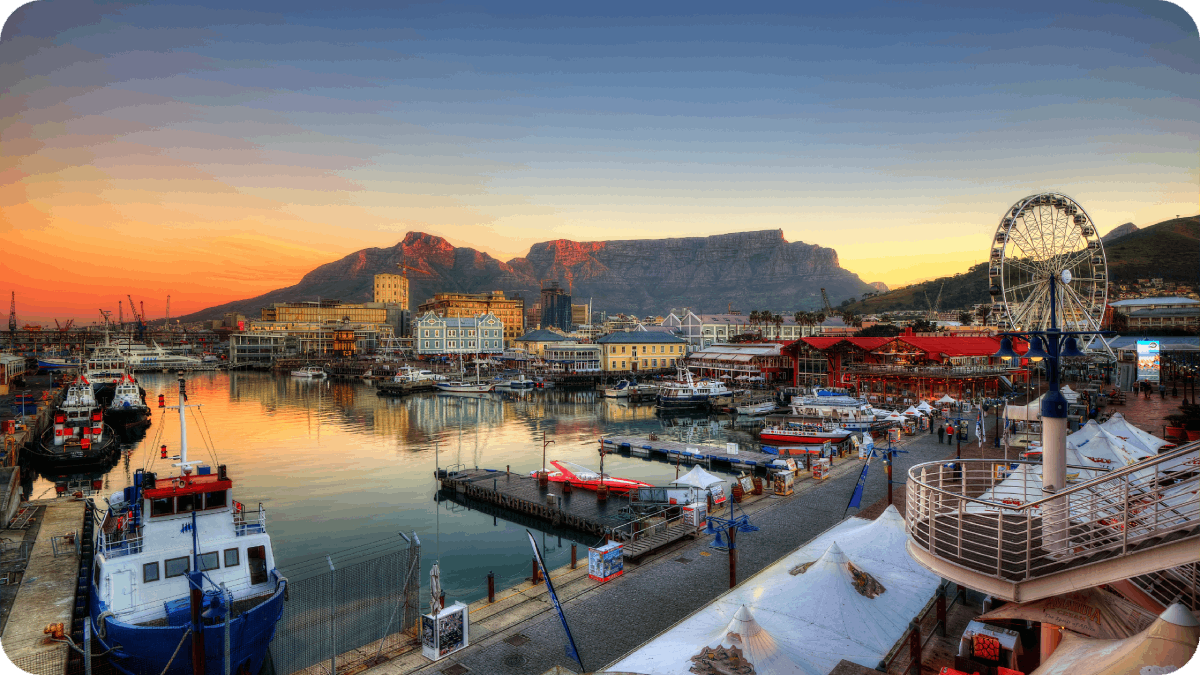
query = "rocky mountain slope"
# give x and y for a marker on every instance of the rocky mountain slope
(750, 270)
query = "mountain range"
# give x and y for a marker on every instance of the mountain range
(745, 270)
(1168, 250)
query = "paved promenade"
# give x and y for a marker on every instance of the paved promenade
(615, 618)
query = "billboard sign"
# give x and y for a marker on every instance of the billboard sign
(1147, 360)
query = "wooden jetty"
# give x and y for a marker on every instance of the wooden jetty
(695, 453)
(519, 498)
(385, 388)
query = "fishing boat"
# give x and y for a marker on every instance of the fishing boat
(104, 368)
(804, 434)
(79, 436)
(515, 382)
(165, 543)
(583, 477)
(756, 408)
(687, 393)
(310, 372)
(50, 363)
(128, 408)
(620, 389)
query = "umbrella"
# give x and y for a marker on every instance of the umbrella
(435, 588)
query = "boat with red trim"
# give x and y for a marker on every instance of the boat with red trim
(583, 477)
(177, 561)
(804, 434)
(79, 436)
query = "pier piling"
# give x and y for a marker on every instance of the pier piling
(492, 587)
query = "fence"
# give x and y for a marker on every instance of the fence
(349, 616)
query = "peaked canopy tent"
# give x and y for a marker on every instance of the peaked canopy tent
(1070, 394)
(847, 594)
(946, 399)
(1091, 612)
(924, 406)
(1117, 424)
(1032, 412)
(697, 478)
(912, 410)
(1168, 643)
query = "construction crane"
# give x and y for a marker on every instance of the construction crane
(107, 316)
(829, 310)
(12, 322)
(933, 306)
(121, 314)
(64, 327)
(404, 270)
(167, 323)
(139, 319)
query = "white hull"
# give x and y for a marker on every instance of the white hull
(756, 409)
(463, 388)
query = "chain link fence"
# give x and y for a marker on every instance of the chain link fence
(350, 616)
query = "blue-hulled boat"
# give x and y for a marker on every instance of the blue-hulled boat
(160, 539)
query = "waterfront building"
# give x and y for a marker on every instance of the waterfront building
(640, 350)
(908, 368)
(436, 335)
(325, 311)
(260, 348)
(330, 338)
(571, 357)
(579, 314)
(535, 341)
(704, 330)
(556, 308)
(742, 361)
(391, 289)
(510, 311)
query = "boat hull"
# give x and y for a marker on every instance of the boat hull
(464, 388)
(147, 650)
(49, 455)
(56, 364)
(683, 402)
(805, 437)
(122, 418)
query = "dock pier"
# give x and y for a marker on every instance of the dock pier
(695, 453)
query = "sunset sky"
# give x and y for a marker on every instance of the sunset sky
(217, 150)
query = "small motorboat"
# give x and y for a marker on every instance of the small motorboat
(583, 477)
(309, 371)
(804, 434)
(620, 389)
(460, 387)
(756, 408)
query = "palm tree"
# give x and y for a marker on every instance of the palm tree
(753, 316)
(821, 317)
(778, 321)
(798, 317)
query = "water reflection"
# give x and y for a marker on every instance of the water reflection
(337, 466)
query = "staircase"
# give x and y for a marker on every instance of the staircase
(1177, 584)
(1137, 522)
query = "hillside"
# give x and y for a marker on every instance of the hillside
(707, 274)
(1170, 249)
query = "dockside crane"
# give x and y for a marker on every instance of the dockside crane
(167, 323)
(829, 310)
(404, 270)
(138, 318)
(121, 314)
(12, 321)
(933, 306)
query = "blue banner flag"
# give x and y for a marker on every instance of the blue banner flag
(572, 651)
(856, 498)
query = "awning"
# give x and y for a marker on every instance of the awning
(743, 358)
(1169, 643)
(727, 357)
(1091, 612)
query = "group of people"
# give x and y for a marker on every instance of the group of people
(1145, 388)
(944, 431)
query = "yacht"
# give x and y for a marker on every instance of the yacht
(309, 371)
(516, 382)
(620, 389)
(79, 436)
(805, 434)
(157, 358)
(756, 408)
(843, 411)
(460, 387)
(163, 538)
(687, 393)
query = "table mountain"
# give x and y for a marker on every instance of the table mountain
(748, 270)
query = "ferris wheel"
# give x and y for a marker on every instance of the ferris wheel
(1042, 236)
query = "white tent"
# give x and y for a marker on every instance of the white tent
(913, 411)
(697, 478)
(1070, 394)
(1085, 433)
(1165, 647)
(1028, 413)
(848, 594)
(946, 399)
(1117, 424)
(924, 406)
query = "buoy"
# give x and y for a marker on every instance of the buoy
(162, 401)
(163, 450)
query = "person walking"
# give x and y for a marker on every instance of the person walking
(941, 433)
(1162, 391)
(950, 433)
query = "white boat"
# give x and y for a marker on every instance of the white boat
(309, 371)
(510, 383)
(162, 538)
(460, 387)
(756, 408)
(157, 358)
(620, 389)
(687, 393)
(842, 411)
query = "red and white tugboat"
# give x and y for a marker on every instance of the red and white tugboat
(804, 434)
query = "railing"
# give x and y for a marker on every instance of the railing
(129, 544)
(1141, 506)
(912, 637)
(243, 525)
(935, 371)
(647, 526)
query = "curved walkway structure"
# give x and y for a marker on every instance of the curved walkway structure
(1132, 521)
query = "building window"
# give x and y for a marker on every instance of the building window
(622, 364)
(654, 362)
(231, 557)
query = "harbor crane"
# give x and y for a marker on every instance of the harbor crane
(404, 270)
(933, 306)
(12, 321)
(167, 323)
(138, 318)
(829, 310)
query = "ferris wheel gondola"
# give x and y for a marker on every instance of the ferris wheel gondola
(1044, 235)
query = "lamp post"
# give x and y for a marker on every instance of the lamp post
(1051, 345)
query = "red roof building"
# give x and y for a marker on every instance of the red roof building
(907, 368)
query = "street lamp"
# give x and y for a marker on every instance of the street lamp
(1051, 345)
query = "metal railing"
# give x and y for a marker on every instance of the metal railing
(115, 547)
(977, 515)
(938, 371)
(648, 525)
(254, 524)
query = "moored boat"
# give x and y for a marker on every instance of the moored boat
(309, 371)
(804, 434)
(162, 538)
(128, 407)
(687, 393)
(50, 363)
(583, 477)
(756, 408)
(460, 387)
(79, 436)
(620, 390)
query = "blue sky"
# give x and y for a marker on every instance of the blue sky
(895, 132)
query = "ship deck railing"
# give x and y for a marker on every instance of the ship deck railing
(252, 523)
(129, 544)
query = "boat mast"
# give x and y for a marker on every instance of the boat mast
(183, 463)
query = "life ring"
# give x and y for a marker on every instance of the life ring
(181, 483)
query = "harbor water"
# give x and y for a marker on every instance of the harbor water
(341, 471)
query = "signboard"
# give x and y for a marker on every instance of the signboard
(731, 448)
(605, 562)
(696, 515)
(1147, 360)
(444, 633)
(784, 482)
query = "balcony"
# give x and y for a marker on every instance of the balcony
(250, 523)
(1134, 521)
(927, 371)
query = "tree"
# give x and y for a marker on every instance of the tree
(879, 330)
(820, 317)
(778, 321)
(798, 317)
(753, 316)
(965, 318)
(923, 326)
